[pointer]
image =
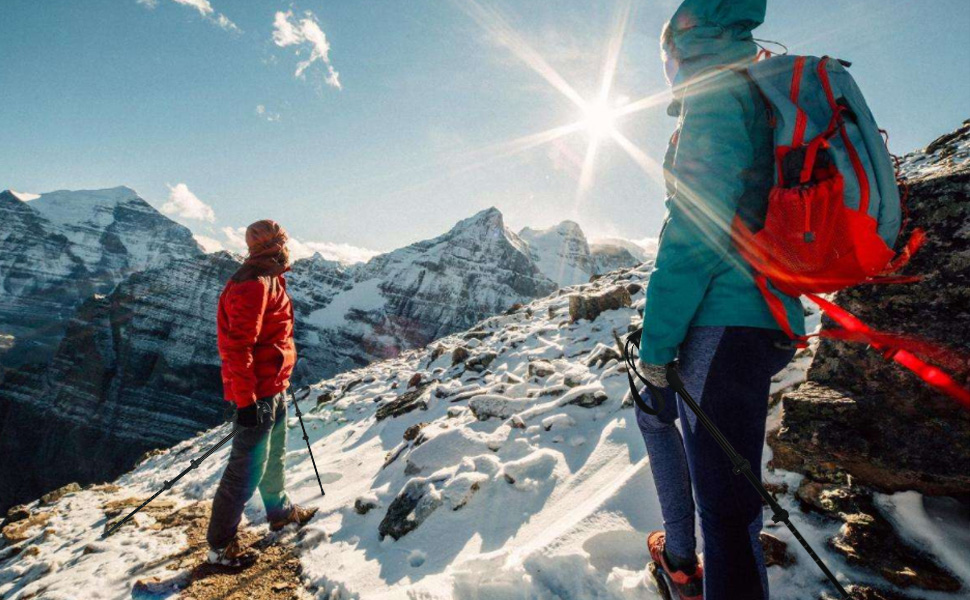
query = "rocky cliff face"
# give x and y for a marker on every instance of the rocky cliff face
(61, 248)
(136, 370)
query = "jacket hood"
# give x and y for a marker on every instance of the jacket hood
(709, 33)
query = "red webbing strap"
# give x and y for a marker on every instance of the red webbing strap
(900, 349)
(801, 119)
(860, 171)
(916, 240)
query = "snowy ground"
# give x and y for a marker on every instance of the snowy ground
(552, 498)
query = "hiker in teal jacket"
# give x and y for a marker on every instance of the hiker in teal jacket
(704, 308)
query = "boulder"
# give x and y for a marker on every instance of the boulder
(590, 306)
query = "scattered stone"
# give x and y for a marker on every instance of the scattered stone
(24, 529)
(414, 381)
(634, 288)
(516, 422)
(477, 334)
(411, 433)
(589, 399)
(364, 505)
(456, 411)
(776, 551)
(17, 513)
(487, 406)
(325, 397)
(410, 508)
(459, 355)
(590, 306)
(437, 352)
(541, 368)
(514, 308)
(52, 497)
(601, 355)
(480, 362)
(404, 403)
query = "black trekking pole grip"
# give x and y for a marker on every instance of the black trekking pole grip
(741, 466)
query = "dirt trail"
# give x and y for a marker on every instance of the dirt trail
(274, 576)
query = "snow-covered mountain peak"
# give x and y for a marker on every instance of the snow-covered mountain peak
(561, 252)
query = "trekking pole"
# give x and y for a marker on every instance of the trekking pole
(306, 438)
(743, 467)
(168, 484)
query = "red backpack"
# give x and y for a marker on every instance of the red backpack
(835, 210)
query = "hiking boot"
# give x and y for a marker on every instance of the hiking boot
(298, 514)
(687, 585)
(233, 555)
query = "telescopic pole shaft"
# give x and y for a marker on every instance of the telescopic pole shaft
(743, 467)
(168, 484)
(306, 438)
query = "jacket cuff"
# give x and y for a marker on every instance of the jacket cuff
(657, 356)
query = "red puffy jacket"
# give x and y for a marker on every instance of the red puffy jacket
(255, 326)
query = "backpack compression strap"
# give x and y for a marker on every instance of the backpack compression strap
(631, 369)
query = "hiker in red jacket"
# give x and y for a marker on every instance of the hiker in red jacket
(255, 327)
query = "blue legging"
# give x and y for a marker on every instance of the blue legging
(728, 371)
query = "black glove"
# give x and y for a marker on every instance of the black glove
(247, 416)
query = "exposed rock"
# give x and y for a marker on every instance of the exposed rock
(776, 551)
(480, 362)
(459, 355)
(403, 404)
(362, 506)
(867, 416)
(601, 355)
(411, 433)
(410, 508)
(52, 497)
(540, 368)
(487, 406)
(17, 513)
(589, 306)
(414, 381)
(589, 399)
(24, 529)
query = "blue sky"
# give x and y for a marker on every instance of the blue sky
(198, 106)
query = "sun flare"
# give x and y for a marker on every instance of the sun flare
(599, 119)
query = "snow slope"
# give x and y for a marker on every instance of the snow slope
(512, 470)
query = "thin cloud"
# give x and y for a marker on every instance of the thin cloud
(342, 253)
(209, 244)
(305, 34)
(270, 116)
(205, 10)
(183, 203)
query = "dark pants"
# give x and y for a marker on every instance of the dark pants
(728, 371)
(255, 462)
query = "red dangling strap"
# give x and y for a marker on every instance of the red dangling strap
(900, 349)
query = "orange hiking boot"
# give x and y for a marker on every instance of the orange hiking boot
(298, 514)
(685, 586)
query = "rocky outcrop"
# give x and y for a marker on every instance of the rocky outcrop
(866, 415)
(61, 248)
(137, 370)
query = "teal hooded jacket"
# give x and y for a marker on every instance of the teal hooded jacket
(719, 164)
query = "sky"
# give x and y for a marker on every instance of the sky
(364, 126)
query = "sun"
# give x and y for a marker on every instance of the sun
(599, 119)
